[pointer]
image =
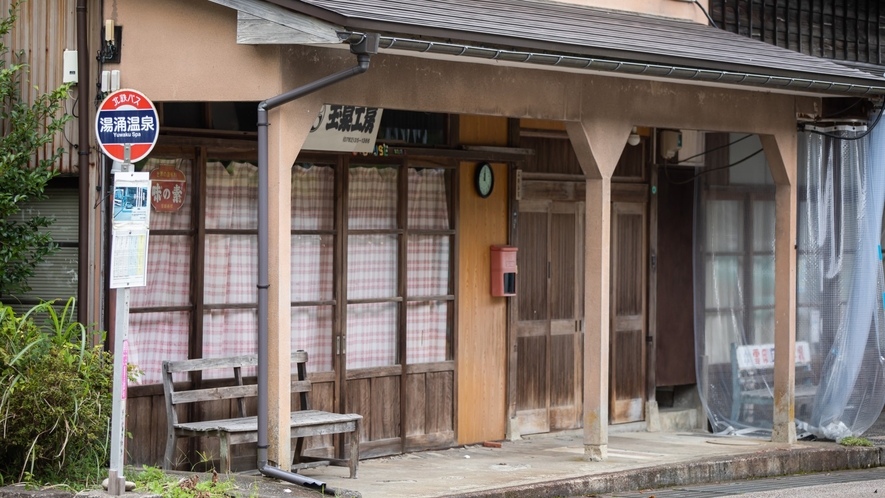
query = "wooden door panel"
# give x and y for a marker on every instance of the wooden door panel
(531, 402)
(531, 329)
(563, 270)
(628, 312)
(386, 408)
(532, 374)
(531, 261)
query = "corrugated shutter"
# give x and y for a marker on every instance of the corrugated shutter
(56, 277)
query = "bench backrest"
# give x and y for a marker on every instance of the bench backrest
(239, 392)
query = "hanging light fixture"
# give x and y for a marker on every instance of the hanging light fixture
(633, 139)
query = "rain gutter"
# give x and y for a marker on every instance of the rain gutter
(363, 46)
(633, 68)
(83, 166)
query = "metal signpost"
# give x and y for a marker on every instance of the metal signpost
(126, 127)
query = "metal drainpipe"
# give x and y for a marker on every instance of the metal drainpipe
(363, 46)
(83, 165)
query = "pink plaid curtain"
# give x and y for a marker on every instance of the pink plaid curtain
(313, 208)
(371, 267)
(154, 337)
(428, 267)
(230, 271)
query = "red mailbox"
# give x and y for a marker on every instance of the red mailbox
(504, 270)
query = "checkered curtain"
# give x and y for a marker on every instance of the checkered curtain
(154, 337)
(371, 267)
(230, 268)
(313, 208)
(428, 267)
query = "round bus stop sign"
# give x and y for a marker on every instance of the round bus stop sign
(126, 117)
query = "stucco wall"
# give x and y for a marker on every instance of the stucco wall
(186, 50)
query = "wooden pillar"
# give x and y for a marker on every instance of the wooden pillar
(781, 153)
(598, 144)
(289, 126)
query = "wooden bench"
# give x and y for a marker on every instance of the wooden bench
(752, 374)
(243, 429)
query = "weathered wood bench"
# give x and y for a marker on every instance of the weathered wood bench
(243, 429)
(752, 376)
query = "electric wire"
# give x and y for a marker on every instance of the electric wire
(714, 149)
(843, 111)
(856, 137)
(712, 22)
(691, 179)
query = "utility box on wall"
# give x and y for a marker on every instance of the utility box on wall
(503, 271)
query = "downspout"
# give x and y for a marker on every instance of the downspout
(83, 165)
(363, 46)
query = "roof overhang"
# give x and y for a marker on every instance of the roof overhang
(554, 36)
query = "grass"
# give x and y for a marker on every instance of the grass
(855, 441)
(153, 480)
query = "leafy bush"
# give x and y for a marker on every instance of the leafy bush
(28, 128)
(55, 398)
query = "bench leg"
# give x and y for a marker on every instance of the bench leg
(224, 445)
(299, 450)
(171, 442)
(355, 449)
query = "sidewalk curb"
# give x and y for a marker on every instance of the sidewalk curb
(766, 463)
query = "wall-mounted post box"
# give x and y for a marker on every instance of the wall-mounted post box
(503, 271)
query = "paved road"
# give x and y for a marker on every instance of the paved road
(845, 484)
(849, 483)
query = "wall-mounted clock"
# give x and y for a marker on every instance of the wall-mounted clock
(484, 180)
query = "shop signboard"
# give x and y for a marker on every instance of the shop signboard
(344, 128)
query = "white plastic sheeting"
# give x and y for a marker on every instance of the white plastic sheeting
(840, 331)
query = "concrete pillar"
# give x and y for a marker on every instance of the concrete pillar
(289, 126)
(781, 153)
(598, 144)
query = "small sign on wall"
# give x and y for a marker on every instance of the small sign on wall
(168, 188)
(344, 128)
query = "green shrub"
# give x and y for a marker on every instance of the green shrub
(55, 398)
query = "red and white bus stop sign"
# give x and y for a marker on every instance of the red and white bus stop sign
(127, 117)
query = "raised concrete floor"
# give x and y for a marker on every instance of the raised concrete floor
(552, 465)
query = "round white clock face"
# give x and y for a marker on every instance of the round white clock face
(484, 180)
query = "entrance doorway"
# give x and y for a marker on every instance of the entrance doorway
(549, 324)
(628, 322)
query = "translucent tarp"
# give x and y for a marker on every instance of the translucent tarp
(840, 347)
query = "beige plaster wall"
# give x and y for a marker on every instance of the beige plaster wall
(400, 82)
(186, 50)
(666, 8)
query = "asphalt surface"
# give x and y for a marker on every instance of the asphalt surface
(846, 484)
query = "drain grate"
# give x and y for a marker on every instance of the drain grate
(767, 484)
